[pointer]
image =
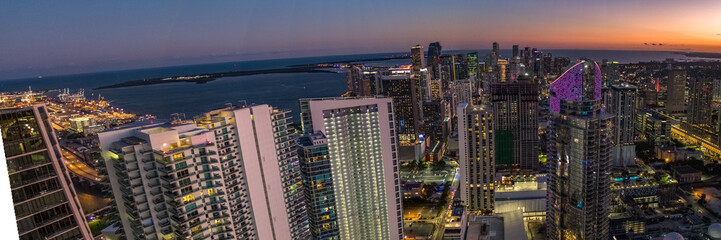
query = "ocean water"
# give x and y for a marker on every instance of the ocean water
(279, 90)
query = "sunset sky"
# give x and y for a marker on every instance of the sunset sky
(86, 36)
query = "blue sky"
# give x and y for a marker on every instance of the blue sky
(60, 37)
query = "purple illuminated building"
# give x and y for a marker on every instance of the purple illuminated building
(570, 85)
(579, 156)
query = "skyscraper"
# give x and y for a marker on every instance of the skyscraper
(448, 69)
(434, 120)
(434, 59)
(515, 108)
(358, 83)
(622, 104)
(699, 109)
(418, 58)
(43, 195)
(318, 185)
(362, 150)
(471, 65)
(403, 89)
(717, 90)
(462, 91)
(435, 90)
(515, 51)
(423, 86)
(496, 49)
(476, 157)
(676, 91)
(579, 156)
(231, 174)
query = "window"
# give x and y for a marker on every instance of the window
(189, 198)
(181, 165)
(190, 207)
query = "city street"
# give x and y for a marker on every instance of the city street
(431, 214)
(438, 234)
(80, 168)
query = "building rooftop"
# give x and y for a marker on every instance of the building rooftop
(485, 227)
(311, 139)
(149, 123)
(154, 130)
(686, 170)
(132, 140)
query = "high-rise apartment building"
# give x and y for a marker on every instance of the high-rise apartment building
(476, 157)
(515, 108)
(621, 103)
(265, 152)
(232, 174)
(676, 91)
(362, 150)
(579, 156)
(43, 196)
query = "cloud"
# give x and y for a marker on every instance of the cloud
(662, 44)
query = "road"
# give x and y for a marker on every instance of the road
(441, 221)
(80, 168)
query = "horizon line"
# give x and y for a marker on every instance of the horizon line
(336, 55)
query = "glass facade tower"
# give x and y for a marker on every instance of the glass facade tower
(45, 202)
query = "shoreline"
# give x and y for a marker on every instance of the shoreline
(354, 60)
(701, 54)
(209, 77)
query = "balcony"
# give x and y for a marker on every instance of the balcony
(151, 176)
(225, 230)
(213, 169)
(120, 167)
(211, 161)
(171, 194)
(153, 184)
(217, 209)
(221, 216)
(166, 170)
(199, 234)
(159, 208)
(206, 153)
(214, 177)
